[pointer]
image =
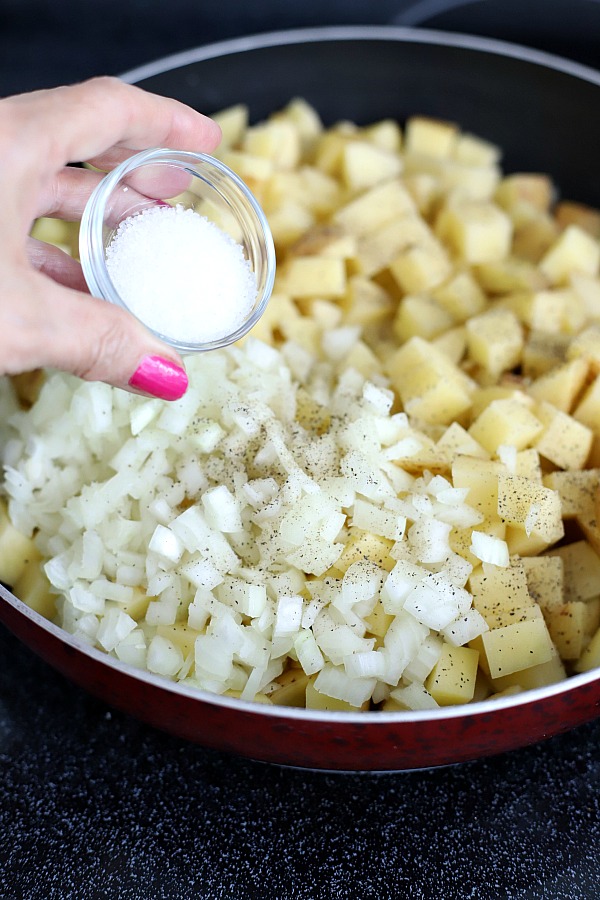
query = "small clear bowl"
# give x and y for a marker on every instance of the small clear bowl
(196, 181)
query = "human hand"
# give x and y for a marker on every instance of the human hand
(46, 317)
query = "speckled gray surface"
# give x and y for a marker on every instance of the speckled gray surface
(95, 805)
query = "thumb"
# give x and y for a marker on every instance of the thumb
(64, 329)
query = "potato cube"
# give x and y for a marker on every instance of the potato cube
(292, 689)
(452, 343)
(318, 700)
(542, 352)
(545, 580)
(379, 248)
(587, 288)
(484, 396)
(480, 476)
(461, 296)
(456, 441)
(474, 151)
(495, 340)
(324, 240)
(497, 590)
(530, 507)
(33, 588)
(378, 621)
(288, 222)
(586, 346)
(581, 570)
(525, 195)
(375, 208)
(561, 386)
(365, 302)
(363, 545)
(509, 275)
(528, 465)
(506, 422)
(587, 410)
(533, 238)
(566, 625)
(478, 232)
(306, 119)
(430, 137)
(233, 122)
(577, 491)
(430, 387)
(422, 317)
(16, 550)
(314, 276)
(590, 657)
(564, 441)
(574, 251)
(385, 134)
(515, 647)
(452, 679)
(568, 213)
(365, 165)
(277, 140)
(420, 267)
(307, 186)
(550, 672)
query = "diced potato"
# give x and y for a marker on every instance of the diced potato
(33, 588)
(452, 343)
(590, 657)
(306, 119)
(541, 675)
(365, 302)
(421, 267)
(525, 195)
(461, 296)
(507, 390)
(431, 137)
(288, 222)
(562, 385)
(507, 275)
(532, 239)
(233, 122)
(364, 165)
(528, 464)
(378, 621)
(474, 151)
(581, 570)
(577, 490)
(515, 647)
(430, 387)
(137, 606)
(310, 414)
(377, 249)
(314, 276)
(506, 422)
(564, 441)
(545, 580)
(324, 240)
(574, 251)
(180, 634)
(276, 140)
(480, 476)
(495, 340)
(587, 288)
(478, 232)
(317, 700)
(530, 507)
(422, 317)
(566, 626)
(543, 351)
(586, 346)
(568, 213)
(386, 134)
(500, 591)
(363, 545)
(456, 441)
(375, 208)
(15, 550)
(587, 410)
(292, 691)
(452, 679)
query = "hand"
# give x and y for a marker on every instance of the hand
(46, 318)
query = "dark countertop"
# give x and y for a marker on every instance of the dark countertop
(96, 805)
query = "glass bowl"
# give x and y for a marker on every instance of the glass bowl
(195, 181)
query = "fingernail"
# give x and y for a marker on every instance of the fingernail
(160, 377)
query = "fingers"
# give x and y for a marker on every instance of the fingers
(103, 120)
(45, 325)
(57, 264)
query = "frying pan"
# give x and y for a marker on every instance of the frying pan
(544, 112)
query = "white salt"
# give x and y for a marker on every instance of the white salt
(181, 275)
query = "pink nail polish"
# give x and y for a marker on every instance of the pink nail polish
(160, 377)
